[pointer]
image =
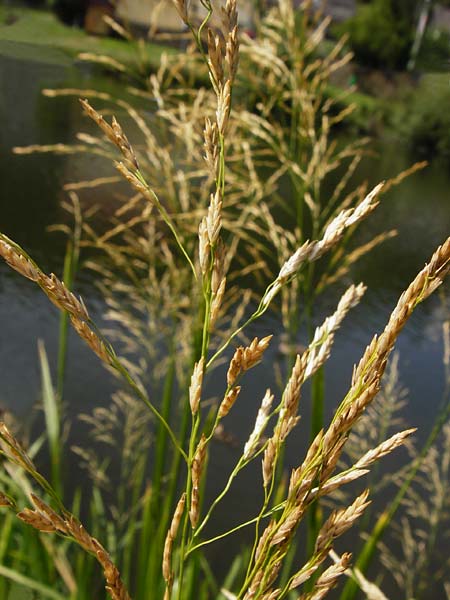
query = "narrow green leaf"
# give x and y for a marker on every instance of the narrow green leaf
(32, 584)
(52, 417)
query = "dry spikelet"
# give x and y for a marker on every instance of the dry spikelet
(134, 181)
(246, 358)
(229, 15)
(338, 522)
(291, 396)
(5, 501)
(181, 6)
(223, 107)
(320, 347)
(48, 512)
(13, 450)
(124, 145)
(45, 519)
(170, 537)
(195, 389)
(204, 249)
(271, 595)
(232, 53)
(18, 262)
(303, 575)
(383, 449)
(260, 424)
(263, 539)
(288, 525)
(214, 217)
(62, 297)
(228, 401)
(211, 145)
(91, 339)
(341, 479)
(196, 473)
(216, 303)
(114, 584)
(215, 58)
(328, 579)
(117, 27)
(268, 461)
(102, 59)
(114, 133)
(254, 585)
(218, 271)
(311, 251)
(37, 520)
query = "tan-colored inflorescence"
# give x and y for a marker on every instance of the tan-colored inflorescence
(170, 537)
(195, 389)
(47, 520)
(196, 473)
(246, 358)
(114, 133)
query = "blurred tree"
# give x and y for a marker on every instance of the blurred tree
(382, 32)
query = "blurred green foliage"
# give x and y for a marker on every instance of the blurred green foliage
(382, 32)
(426, 121)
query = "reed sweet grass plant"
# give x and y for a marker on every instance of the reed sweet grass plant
(172, 273)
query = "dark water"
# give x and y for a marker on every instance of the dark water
(29, 203)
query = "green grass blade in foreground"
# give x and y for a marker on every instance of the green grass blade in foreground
(52, 419)
(43, 590)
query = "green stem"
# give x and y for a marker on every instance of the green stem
(123, 371)
(167, 219)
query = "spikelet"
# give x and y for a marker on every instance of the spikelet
(114, 133)
(18, 262)
(320, 347)
(204, 246)
(216, 303)
(232, 53)
(196, 473)
(55, 289)
(338, 523)
(383, 449)
(215, 59)
(5, 500)
(63, 298)
(218, 270)
(195, 389)
(181, 6)
(37, 520)
(211, 145)
(311, 251)
(170, 537)
(328, 579)
(268, 461)
(91, 339)
(13, 450)
(214, 219)
(291, 396)
(261, 421)
(223, 107)
(246, 358)
(228, 401)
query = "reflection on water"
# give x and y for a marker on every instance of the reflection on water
(30, 199)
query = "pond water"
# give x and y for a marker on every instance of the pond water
(29, 203)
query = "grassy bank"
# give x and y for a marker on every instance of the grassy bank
(32, 27)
